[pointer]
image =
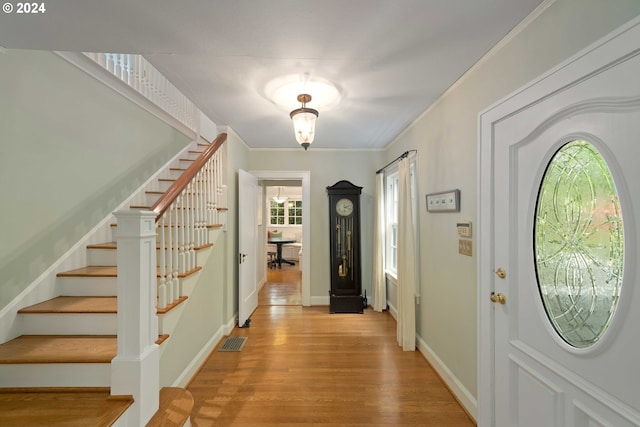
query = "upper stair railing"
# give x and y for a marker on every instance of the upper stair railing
(144, 78)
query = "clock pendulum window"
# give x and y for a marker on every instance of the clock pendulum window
(345, 295)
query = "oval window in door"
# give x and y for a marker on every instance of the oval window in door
(578, 243)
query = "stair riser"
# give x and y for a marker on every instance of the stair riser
(69, 324)
(150, 199)
(173, 174)
(185, 163)
(163, 185)
(56, 375)
(102, 257)
(88, 286)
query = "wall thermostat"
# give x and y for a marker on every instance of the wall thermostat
(464, 228)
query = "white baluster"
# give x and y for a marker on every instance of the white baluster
(162, 286)
(187, 226)
(182, 261)
(170, 295)
(192, 228)
(174, 253)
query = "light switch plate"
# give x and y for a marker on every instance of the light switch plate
(464, 247)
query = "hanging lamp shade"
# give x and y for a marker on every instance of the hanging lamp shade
(304, 121)
(278, 198)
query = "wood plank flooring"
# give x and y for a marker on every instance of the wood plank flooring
(283, 286)
(306, 367)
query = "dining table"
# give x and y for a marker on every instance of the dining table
(279, 241)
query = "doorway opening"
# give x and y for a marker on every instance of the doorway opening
(299, 181)
(283, 219)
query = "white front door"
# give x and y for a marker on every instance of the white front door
(559, 234)
(247, 247)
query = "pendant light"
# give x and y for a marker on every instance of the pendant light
(280, 199)
(304, 121)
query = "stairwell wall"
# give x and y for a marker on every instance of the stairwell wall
(71, 150)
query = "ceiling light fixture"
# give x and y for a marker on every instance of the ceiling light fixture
(304, 121)
(278, 198)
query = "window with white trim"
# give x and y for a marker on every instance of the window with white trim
(391, 219)
(391, 215)
(286, 213)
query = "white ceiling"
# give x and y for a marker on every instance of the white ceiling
(390, 59)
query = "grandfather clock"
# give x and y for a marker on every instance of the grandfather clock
(345, 295)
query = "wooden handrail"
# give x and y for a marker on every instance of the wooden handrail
(161, 206)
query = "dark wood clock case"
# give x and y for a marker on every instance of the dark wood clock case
(345, 295)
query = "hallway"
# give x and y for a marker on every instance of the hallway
(283, 286)
(306, 367)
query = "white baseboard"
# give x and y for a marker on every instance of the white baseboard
(464, 397)
(393, 311)
(320, 300)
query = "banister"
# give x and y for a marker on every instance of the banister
(161, 206)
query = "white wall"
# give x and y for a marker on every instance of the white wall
(71, 150)
(446, 139)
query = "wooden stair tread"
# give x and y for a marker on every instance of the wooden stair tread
(70, 304)
(91, 271)
(109, 271)
(174, 409)
(54, 407)
(105, 245)
(59, 349)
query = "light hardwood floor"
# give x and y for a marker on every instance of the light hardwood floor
(306, 367)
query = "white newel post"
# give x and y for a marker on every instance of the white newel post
(136, 368)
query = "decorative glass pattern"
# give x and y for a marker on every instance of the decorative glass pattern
(579, 244)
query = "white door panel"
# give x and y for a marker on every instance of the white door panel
(533, 375)
(247, 247)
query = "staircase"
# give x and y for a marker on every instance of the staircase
(62, 362)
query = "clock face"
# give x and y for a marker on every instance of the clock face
(344, 207)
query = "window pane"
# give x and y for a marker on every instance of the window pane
(578, 244)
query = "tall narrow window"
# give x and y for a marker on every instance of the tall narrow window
(294, 211)
(391, 216)
(391, 210)
(276, 213)
(579, 244)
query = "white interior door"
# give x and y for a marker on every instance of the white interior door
(559, 342)
(247, 247)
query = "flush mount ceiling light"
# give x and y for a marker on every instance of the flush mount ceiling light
(278, 198)
(282, 91)
(304, 121)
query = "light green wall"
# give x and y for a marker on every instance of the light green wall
(71, 150)
(446, 138)
(327, 167)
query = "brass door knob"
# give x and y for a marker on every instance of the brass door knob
(498, 298)
(501, 273)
